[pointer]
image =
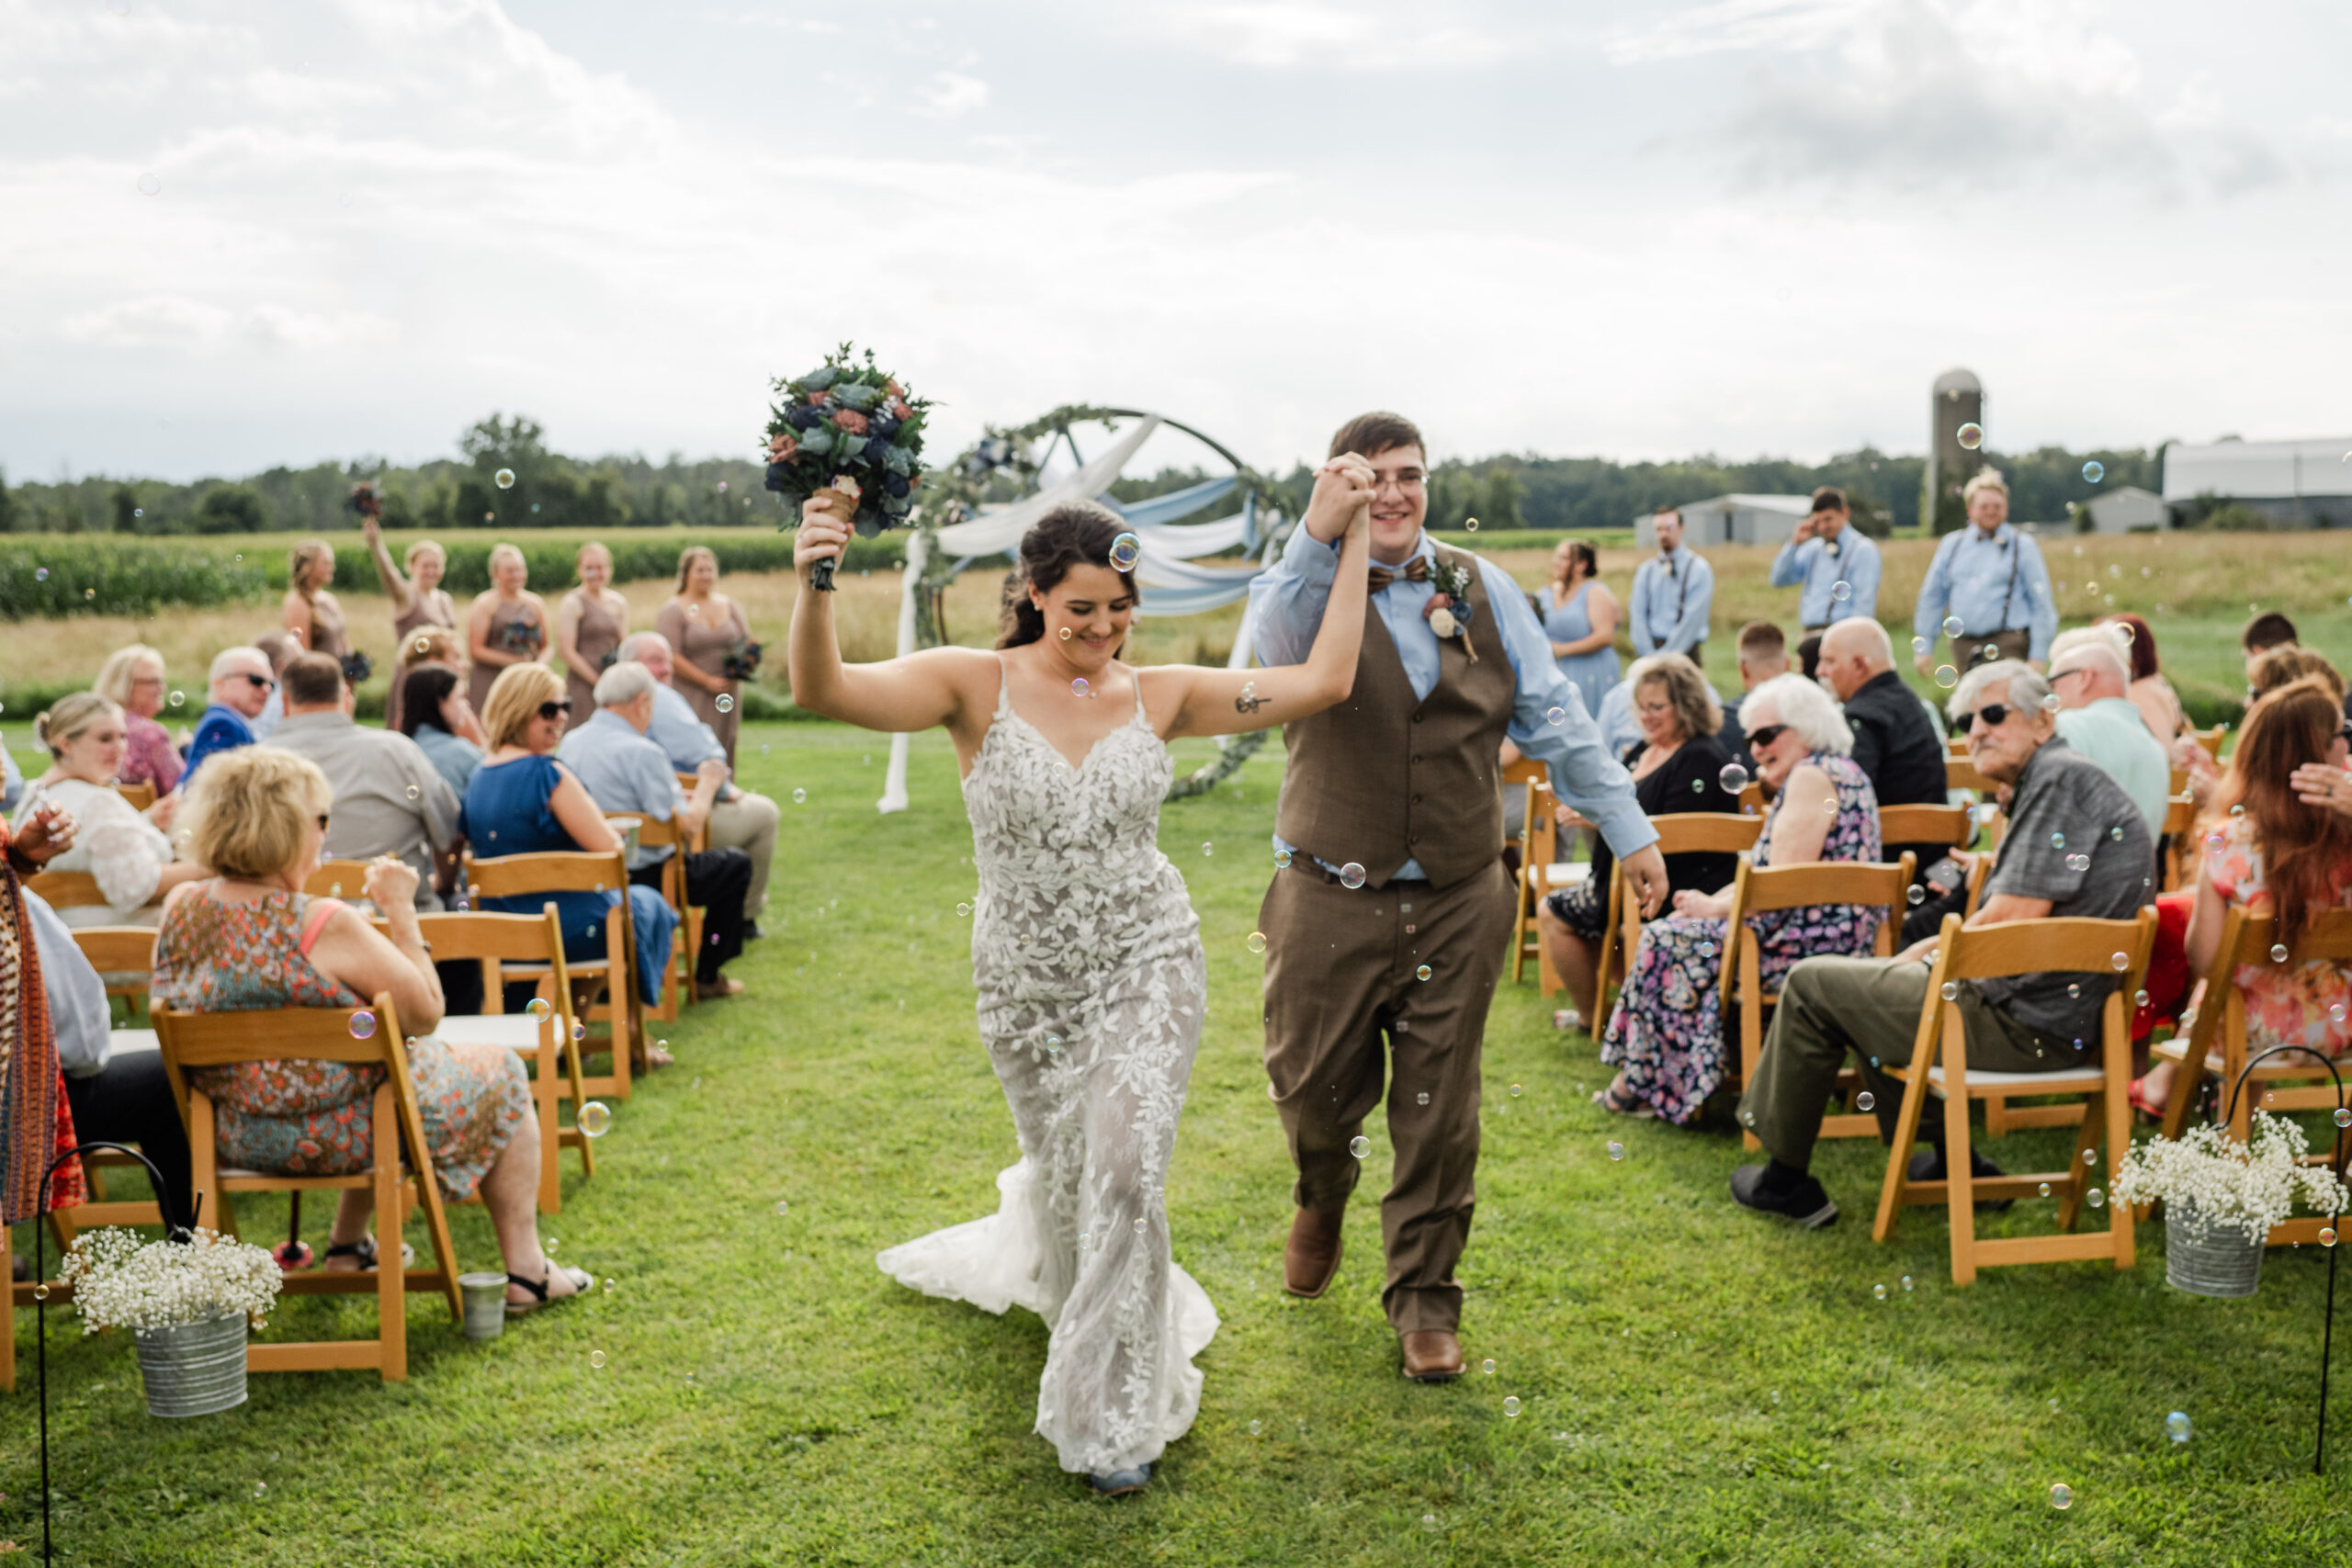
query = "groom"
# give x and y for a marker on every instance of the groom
(1390, 918)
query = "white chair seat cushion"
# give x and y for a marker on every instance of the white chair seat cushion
(130, 1042)
(514, 1030)
(1563, 873)
(2040, 1083)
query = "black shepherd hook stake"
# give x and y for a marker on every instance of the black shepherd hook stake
(176, 1232)
(2343, 1147)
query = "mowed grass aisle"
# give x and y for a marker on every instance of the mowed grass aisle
(1696, 1387)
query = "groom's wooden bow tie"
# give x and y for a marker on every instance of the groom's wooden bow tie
(1416, 571)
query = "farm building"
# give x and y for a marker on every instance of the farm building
(1732, 520)
(2126, 508)
(2300, 484)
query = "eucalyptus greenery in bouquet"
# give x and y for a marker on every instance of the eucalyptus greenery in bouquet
(850, 425)
(2212, 1179)
(122, 1281)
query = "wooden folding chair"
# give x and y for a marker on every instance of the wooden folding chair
(138, 797)
(67, 889)
(2218, 1040)
(197, 1040)
(1956, 746)
(2212, 739)
(1761, 888)
(686, 947)
(1542, 875)
(1684, 832)
(612, 977)
(1960, 774)
(1946, 824)
(1528, 776)
(1938, 1065)
(2180, 841)
(1751, 799)
(344, 879)
(547, 1045)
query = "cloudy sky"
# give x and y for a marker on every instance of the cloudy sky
(239, 232)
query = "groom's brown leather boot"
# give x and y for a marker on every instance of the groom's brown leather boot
(1311, 1261)
(1432, 1355)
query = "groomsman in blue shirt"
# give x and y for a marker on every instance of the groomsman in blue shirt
(1838, 567)
(1673, 592)
(1988, 589)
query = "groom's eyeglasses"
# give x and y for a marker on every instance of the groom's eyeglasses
(1412, 481)
(1765, 736)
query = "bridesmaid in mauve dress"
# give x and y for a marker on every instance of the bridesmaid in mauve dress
(704, 626)
(419, 602)
(313, 614)
(507, 626)
(590, 623)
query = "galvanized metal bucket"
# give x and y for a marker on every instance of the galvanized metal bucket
(2219, 1262)
(194, 1369)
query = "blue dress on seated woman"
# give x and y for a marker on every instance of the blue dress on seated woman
(506, 813)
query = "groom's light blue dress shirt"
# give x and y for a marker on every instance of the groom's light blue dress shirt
(1286, 607)
(1821, 564)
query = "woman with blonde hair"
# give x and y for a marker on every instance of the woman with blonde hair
(313, 616)
(132, 678)
(249, 938)
(507, 625)
(126, 851)
(419, 602)
(521, 801)
(590, 621)
(713, 643)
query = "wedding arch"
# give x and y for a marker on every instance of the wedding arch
(980, 506)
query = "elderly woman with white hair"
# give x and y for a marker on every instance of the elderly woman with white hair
(1666, 1035)
(506, 626)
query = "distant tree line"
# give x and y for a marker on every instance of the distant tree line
(610, 493)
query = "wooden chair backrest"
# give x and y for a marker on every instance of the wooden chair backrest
(1759, 889)
(2180, 813)
(553, 871)
(67, 889)
(492, 939)
(1960, 774)
(2212, 739)
(1925, 825)
(2073, 945)
(653, 834)
(120, 950)
(1705, 833)
(338, 879)
(2327, 936)
(1956, 746)
(2179, 784)
(1526, 771)
(1539, 838)
(140, 796)
(1751, 799)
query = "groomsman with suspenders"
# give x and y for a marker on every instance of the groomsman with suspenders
(1989, 578)
(1674, 591)
(1389, 915)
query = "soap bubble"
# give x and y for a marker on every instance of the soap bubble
(2041, 1190)
(2094, 471)
(1423, 1098)
(2074, 988)
(1916, 897)
(1866, 1100)
(595, 1118)
(363, 1025)
(1487, 1366)
(1879, 1292)
(1360, 1145)
(1954, 627)
(1053, 1045)
(1352, 875)
(2278, 953)
(1512, 1406)
(1840, 591)
(2118, 962)
(2095, 1198)
(799, 797)
(2139, 998)
(1257, 942)
(2062, 1495)
(1516, 1091)
(1947, 677)
(596, 1357)
(1556, 715)
(2175, 1424)
(1471, 523)
(1125, 551)
(1698, 786)
(504, 479)
(1282, 860)
(2343, 1116)
(1906, 1281)
(783, 1207)
(962, 911)
(1734, 778)
(539, 1008)
(725, 704)
(2327, 1236)
(1616, 1149)
(2052, 703)
(1951, 992)
(1428, 1522)
(1422, 972)
(149, 185)
(1078, 688)
(179, 697)
(1255, 1428)
(1970, 435)
(2078, 862)
(1921, 645)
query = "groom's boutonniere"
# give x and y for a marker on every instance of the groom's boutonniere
(1449, 610)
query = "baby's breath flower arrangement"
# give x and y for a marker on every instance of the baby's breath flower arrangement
(122, 1281)
(2211, 1178)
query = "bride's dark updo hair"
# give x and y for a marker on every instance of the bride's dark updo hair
(1078, 533)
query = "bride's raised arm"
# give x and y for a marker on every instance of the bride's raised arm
(911, 693)
(1229, 702)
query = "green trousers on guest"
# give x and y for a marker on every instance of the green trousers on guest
(1868, 1009)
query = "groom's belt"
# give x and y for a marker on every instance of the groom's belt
(1308, 865)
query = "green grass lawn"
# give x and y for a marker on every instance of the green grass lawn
(1698, 1385)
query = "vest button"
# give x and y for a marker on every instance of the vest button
(1416, 800)
(1417, 756)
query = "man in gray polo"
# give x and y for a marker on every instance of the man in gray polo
(2076, 847)
(388, 797)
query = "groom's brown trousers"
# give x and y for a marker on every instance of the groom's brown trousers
(1341, 981)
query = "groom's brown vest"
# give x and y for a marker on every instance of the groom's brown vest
(1385, 777)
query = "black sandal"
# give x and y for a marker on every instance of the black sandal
(580, 1280)
(364, 1249)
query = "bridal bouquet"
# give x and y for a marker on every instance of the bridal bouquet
(850, 426)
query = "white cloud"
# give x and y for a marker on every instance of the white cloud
(1734, 25)
(1281, 35)
(951, 93)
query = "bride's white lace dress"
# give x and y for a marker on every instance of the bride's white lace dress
(1092, 983)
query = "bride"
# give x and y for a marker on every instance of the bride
(1085, 950)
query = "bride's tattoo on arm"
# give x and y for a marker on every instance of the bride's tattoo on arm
(1249, 701)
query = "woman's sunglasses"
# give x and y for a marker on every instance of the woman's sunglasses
(1765, 736)
(560, 706)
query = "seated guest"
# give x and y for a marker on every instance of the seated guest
(2264, 632)
(2076, 847)
(1666, 1035)
(249, 938)
(1763, 654)
(12, 779)
(2282, 667)
(242, 684)
(2098, 717)
(2282, 857)
(425, 645)
(1619, 730)
(1677, 766)
(126, 850)
(278, 648)
(122, 1096)
(389, 798)
(2160, 705)
(740, 820)
(436, 714)
(1896, 748)
(132, 679)
(627, 773)
(522, 801)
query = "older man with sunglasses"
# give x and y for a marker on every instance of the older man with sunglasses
(242, 685)
(2078, 847)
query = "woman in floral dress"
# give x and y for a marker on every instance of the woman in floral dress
(1666, 1036)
